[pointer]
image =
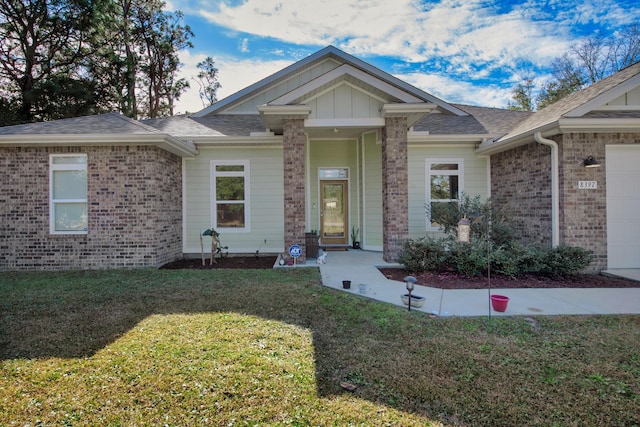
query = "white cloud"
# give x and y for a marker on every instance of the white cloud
(457, 91)
(404, 29)
(234, 75)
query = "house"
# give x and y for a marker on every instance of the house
(329, 143)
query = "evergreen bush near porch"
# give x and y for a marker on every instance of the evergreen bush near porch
(492, 235)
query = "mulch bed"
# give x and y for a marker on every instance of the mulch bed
(435, 280)
(455, 281)
(245, 262)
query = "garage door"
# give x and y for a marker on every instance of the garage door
(623, 206)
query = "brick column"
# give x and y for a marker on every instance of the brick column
(395, 181)
(294, 193)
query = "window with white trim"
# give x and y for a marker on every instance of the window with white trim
(230, 194)
(68, 194)
(444, 187)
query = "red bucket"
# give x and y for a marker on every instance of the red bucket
(499, 302)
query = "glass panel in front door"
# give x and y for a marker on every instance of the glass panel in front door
(334, 212)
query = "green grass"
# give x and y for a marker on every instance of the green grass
(263, 347)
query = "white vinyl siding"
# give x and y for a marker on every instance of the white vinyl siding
(279, 89)
(474, 181)
(372, 192)
(344, 101)
(68, 194)
(266, 209)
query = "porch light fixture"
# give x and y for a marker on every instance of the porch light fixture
(590, 162)
(464, 230)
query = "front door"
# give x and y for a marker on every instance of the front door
(334, 212)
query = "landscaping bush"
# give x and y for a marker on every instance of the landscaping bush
(492, 235)
(565, 260)
(424, 254)
(470, 259)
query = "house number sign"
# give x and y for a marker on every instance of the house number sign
(587, 185)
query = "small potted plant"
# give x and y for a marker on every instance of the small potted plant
(355, 243)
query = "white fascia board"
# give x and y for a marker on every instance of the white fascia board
(164, 141)
(599, 125)
(284, 110)
(395, 110)
(613, 93)
(488, 147)
(344, 123)
(419, 138)
(237, 141)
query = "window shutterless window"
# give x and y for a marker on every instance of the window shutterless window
(68, 194)
(230, 194)
(444, 187)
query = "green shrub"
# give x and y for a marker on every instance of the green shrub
(565, 260)
(424, 254)
(470, 259)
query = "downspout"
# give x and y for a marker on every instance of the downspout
(555, 187)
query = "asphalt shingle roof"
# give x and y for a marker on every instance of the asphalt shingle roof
(556, 111)
(481, 120)
(109, 123)
(212, 125)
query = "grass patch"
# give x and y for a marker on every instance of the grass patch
(266, 347)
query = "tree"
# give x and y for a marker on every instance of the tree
(63, 58)
(42, 40)
(587, 61)
(522, 98)
(208, 82)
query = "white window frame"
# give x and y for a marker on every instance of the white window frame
(53, 167)
(247, 193)
(429, 173)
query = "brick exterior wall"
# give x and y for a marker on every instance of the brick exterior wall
(134, 207)
(521, 186)
(583, 213)
(521, 183)
(294, 191)
(395, 181)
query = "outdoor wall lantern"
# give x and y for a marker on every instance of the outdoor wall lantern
(590, 162)
(411, 282)
(464, 230)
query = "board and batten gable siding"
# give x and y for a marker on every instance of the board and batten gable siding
(629, 98)
(475, 181)
(372, 192)
(286, 86)
(265, 200)
(345, 101)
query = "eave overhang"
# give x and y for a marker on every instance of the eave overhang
(562, 126)
(166, 142)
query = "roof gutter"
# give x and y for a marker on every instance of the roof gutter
(555, 189)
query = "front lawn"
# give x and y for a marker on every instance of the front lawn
(266, 347)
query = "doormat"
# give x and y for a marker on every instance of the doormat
(334, 248)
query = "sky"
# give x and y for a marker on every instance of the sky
(463, 51)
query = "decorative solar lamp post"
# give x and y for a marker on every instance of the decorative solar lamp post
(411, 283)
(464, 230)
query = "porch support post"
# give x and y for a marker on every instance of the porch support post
(395, 181)
(294, 189)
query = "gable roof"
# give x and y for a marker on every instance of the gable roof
(329, 52)
(101, 129)
(577, 105)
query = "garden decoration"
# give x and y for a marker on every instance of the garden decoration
(418, 301)
(216, 247)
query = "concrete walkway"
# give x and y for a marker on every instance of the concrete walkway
(360, 267)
